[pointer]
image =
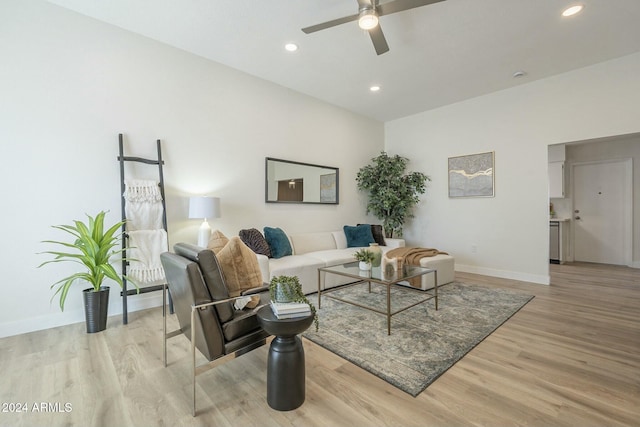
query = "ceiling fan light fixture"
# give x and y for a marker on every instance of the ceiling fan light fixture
(368, 19)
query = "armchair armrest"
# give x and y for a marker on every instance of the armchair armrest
(195, 307)
(258, 290)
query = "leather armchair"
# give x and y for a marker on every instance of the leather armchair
(205, 310)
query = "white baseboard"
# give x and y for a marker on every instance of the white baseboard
(635, 264)
(504, 274)
(68, 317)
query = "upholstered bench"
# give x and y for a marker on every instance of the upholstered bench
(443, 264)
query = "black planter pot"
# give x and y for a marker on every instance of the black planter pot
(96, 305)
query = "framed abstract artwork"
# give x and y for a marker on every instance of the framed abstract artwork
(472, 175)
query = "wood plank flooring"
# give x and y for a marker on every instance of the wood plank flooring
(571, 357)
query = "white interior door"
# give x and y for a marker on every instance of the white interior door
(601, 199)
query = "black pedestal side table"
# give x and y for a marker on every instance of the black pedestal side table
(285, 366)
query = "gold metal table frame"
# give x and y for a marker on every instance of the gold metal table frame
(376, 275)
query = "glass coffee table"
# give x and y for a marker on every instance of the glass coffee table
(376, 275)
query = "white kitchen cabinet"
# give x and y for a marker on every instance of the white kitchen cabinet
(557, 153)
(556, 179)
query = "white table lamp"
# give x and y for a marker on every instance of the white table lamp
(204, 207)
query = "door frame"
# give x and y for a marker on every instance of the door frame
(627, 207)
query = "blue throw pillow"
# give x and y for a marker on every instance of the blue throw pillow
(358, 236)
(278, 242)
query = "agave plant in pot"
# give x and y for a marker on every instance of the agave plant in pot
(93, 247)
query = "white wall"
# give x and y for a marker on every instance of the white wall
(510, 230)
(70, 84)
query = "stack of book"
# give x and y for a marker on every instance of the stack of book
(288, 310)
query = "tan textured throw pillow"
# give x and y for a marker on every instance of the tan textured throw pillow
(217, 241)
(240, 267)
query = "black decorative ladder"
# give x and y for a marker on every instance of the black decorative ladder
(125, 264)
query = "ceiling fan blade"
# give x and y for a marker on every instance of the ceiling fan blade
(400, 5)
(329, 24)
(379, 42)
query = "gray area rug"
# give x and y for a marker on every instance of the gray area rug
(424, 343)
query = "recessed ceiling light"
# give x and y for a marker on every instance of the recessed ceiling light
(291, 47)
(519, 74)
(374, 88)
(570, 11)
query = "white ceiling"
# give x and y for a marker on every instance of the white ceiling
(439, 54)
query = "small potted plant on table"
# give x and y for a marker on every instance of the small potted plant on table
(366, 257)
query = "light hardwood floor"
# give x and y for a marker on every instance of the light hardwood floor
(571, 357)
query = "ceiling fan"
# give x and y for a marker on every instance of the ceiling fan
(368, 13)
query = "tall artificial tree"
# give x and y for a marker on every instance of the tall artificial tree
(392, 192)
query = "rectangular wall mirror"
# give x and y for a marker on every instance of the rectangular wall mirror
(287, 181)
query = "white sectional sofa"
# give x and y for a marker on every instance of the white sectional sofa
(312, 251)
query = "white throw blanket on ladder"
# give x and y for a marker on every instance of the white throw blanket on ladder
(147, 237)
(145, 247)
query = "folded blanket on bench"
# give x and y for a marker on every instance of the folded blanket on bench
(412, 256)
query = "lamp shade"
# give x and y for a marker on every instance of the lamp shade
(204, 207)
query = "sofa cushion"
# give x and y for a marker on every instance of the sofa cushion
(240, 267)
(358, 236)
(311, 242)
(287, 265)
(255, 240)
(243, 323)
(278, 242)
(335, 256)
(303, 266)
